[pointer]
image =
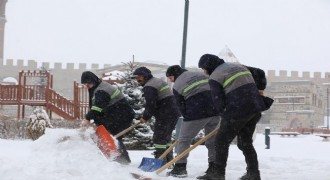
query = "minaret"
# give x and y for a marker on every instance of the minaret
(2, 26)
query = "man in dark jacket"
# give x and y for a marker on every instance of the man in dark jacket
(236, 96)
(160, 103)
(193, 96)
(108, 107)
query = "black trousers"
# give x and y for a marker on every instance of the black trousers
(163, 133)
(243, 128)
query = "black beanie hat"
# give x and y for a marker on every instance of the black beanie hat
(143, 71)
(89, 77)
(209, 62)
(175, 71)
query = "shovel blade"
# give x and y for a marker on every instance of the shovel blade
(151, 164)
(106, 143)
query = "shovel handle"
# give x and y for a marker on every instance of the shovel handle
(184, 153)
(126, 130)
(168, 150)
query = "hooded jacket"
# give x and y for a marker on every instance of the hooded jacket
(192, 94)
(159, 98)
(107, 104)
(234, 91)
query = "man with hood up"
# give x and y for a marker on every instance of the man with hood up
(236, 96)
(160, 103)
(193, 96)
(108, 107)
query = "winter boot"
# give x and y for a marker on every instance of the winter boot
(212, 176)
(209, 170)
(179, 171)
(213, 173)
(251, 175)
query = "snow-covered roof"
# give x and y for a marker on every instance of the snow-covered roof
(9, 80)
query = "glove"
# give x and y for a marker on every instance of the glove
(85, 123)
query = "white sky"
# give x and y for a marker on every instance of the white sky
(272, 34)
(305, 157)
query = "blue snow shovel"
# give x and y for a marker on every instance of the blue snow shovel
(152, 164)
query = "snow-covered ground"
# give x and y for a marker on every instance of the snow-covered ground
(63, 154)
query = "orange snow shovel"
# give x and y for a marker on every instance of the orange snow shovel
(107, 143)
(152, 164)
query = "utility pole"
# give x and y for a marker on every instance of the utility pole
(328, 108)
(185, 30)
(2, 25)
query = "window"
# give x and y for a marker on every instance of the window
(290, 100)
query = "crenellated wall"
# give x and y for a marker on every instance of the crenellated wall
(283, 75)
(280, 83)
(65, 73)
(63, 76)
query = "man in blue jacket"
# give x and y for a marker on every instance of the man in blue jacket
(193, 96)
(160, 103)
(236, 96)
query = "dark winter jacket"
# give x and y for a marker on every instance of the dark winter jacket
(261, 82)
(234, 91)
(193, 95)
(259, 77)
(108, 106)
(160, 101)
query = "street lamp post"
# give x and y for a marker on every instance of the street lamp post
(328, 108)
(185, 29)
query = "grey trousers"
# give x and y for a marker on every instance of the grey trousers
(189, 129)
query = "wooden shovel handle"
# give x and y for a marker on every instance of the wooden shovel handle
(126, 130)
(184, 153)
(168, 150)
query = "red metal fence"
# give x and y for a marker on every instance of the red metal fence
(43, 95)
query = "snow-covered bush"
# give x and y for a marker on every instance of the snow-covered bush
(37, 123)
(141, 137)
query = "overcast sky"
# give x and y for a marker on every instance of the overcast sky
(270, 34)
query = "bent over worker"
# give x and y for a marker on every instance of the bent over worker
(236, 96)
(193, 96)
(108, 107)
(160, 103)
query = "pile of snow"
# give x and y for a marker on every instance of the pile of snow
(71, 154)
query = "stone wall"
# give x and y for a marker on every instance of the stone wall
(63, 78)
(280, 83)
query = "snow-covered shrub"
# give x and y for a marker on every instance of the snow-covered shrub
(37, 123)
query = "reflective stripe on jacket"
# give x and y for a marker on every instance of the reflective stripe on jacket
(113, 91)
(193, 96)
(234, 91)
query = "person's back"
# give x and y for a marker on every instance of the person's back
(110, 108)
(193, 89)
(159, 90)
(240, 97)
